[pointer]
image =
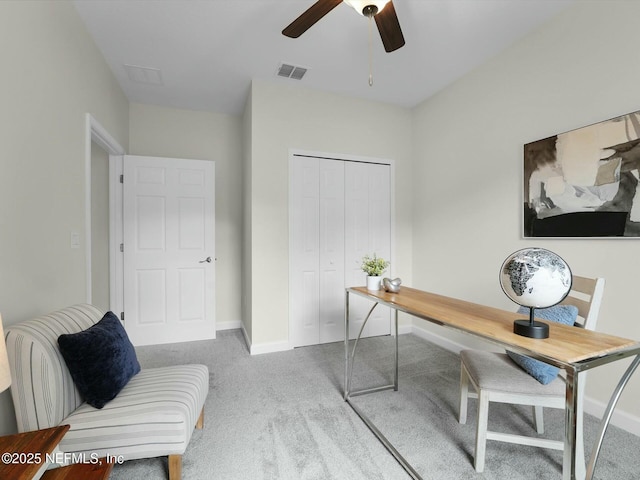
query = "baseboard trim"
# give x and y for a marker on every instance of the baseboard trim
(620, 418)
(439, 340)
(231, 325)
(405, 328)
(273, 347)
(260, 348)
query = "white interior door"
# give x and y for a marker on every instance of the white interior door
(169, 267)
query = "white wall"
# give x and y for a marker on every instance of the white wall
(53, 74)
(285, 116)
(170, 132)
(578, 69)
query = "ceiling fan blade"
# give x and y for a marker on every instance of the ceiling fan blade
(314, 13)
(389, 28)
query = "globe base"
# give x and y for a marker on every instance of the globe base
(530, 329)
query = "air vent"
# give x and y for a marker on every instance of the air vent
(291, 71)
(146, 75)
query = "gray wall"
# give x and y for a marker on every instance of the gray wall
(578, 69)
(53, 75)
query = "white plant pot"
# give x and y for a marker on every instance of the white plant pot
(373, 283)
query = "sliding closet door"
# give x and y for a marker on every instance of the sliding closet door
(367, 231)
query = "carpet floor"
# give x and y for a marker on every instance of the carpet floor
(281, 416)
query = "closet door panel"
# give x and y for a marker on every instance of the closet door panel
(356, 240)
(331, 250)
(304, 288)
(367, 231)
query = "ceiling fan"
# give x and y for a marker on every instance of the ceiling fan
(382, 11)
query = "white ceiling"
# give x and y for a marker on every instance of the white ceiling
(209, 50)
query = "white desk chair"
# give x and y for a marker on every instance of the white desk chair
(497, 378)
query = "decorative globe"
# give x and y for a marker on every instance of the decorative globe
(535, 277)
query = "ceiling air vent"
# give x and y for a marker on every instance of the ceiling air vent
(291, 71)
(146, 75)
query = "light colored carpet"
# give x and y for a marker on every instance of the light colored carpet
(281, 416)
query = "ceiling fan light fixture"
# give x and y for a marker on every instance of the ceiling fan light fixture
(364, 6)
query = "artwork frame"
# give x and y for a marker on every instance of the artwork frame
(584, 183)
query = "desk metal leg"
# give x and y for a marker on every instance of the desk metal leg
(386, 443)
(570, 426)
(351, 361)
(569, 466)
(348, 372)
(395, 374)
(608, 413)
(346, 345)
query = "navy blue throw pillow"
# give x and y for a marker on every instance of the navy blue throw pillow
(543, 372)
(101, 359)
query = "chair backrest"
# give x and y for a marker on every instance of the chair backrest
(42, 389)
(586, 294)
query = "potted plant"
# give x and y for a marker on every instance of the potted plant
(374, 266)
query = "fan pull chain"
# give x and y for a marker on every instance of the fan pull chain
(370, 51)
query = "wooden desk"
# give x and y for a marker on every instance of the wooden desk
(572, 349)
(24, 457)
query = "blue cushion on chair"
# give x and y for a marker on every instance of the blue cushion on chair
(543, 372)
(101, 359)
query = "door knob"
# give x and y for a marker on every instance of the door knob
(207, 260)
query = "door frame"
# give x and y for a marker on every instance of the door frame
(344, 157)
(95, 132)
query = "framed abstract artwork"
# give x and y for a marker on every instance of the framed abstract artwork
(584, 183)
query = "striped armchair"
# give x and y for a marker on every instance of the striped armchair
(154, 415)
